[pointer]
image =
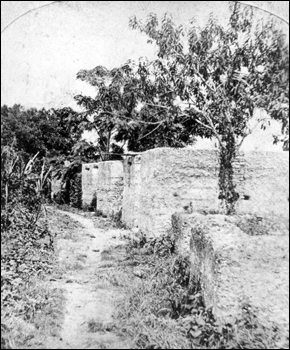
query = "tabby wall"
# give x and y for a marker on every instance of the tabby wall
(89, 182)
(109, 187)
(162, 181)
(159, 182)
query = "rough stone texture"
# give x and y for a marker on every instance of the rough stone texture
(235, 268)
(159, 182)
(264, 177)
(110, 186)
(89, 182)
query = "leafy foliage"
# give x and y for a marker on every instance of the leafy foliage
(218, 76)
(205, 81)
(116, 114)
(54, 135)
(46, 132)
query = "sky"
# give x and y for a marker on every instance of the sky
(42, 51)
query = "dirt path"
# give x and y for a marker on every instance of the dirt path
(90, 299)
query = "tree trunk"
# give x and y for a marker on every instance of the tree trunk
(227, 192)
(108, 145)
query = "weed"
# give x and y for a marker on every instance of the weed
(107, 254)
(95, 326)
(98, 212)
(27, 247)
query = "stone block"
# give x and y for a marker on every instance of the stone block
(235, 268)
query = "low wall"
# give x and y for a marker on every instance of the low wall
(105, 180)
(235, 268)
(159, 182)
(110, 187)
(89, 182)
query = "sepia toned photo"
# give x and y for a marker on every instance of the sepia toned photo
(144, 175)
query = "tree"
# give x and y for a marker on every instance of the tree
(217, 77)
(49, 133)
(205, 81)
(118, 115)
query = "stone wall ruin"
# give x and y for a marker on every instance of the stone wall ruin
(162, 181)
(153, 185)
(105, 181)
(239, 259)
(110, 187)
(236, 268)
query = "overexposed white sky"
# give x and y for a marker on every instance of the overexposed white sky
(42, 51)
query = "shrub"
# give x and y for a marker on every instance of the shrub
(75, 191)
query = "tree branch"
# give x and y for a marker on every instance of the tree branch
(210, 126)
(158, 126)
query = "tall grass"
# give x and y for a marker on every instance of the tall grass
(26, 243)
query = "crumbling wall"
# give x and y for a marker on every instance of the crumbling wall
(162, 181)
(89, 182)
(109, 186)
(236, 268)
(238, 260)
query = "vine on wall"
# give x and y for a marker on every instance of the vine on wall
(227, 186)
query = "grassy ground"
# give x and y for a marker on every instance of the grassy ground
(32, 309)
(163, 310)
(160, 307)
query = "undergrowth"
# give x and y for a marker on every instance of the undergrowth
(27, 247)
(164, 309)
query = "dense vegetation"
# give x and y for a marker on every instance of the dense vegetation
(55, 136)
(49, 133)
(26, 243)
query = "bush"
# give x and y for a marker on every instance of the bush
(75, 191)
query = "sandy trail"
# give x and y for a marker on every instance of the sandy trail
(90, 300)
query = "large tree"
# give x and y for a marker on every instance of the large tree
(205, 81)
(118, 113)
